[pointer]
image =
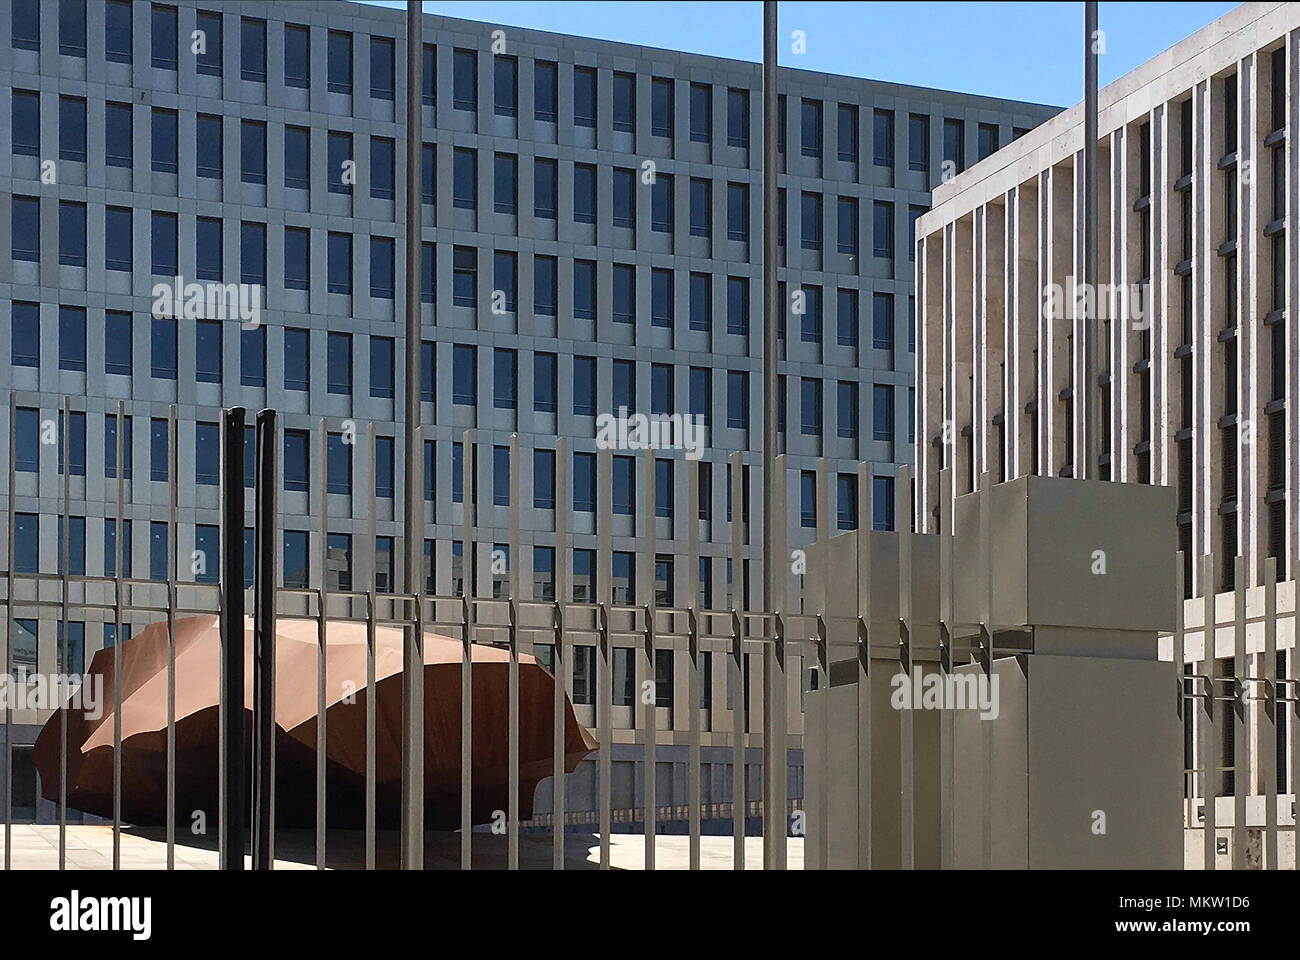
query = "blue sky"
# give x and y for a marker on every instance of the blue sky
(1023, 51)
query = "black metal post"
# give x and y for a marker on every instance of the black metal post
(233, 796)
(265, 578)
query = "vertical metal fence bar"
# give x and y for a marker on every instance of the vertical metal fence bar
(605, 695)
(1268, 762)
(265, 580)
(1209, 734)
(648, 577)
(173, 483)
(10, 627)
(1241, 736)
(693, 694)
(907, 733)
(865, 730)
(561, 660)
(414, 736)
(985, 606)
(322, 626)
(820, 602)
(739, 715)
(467, 650)
(1180, 655)
(948, 664)
(512, 721)
(118, 639)
(232, 634)
(775, 708)
(65, 464)
(372, 611)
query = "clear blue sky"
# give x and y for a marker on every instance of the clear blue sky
(1023, 51)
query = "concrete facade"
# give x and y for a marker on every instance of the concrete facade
(347, 306)
(1198, 173)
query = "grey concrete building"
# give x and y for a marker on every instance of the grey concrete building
(591, 241)
(1196, 310)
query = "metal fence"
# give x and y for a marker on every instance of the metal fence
(1213, 697)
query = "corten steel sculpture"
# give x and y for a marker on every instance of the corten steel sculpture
(144, 727)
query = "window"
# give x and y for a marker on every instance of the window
(584, 193)
(72, 339)
(544, 479)
(661, 388)
(338, 465)
(382, 68)
(464, 80)
(882, 412)
(163, 34)
(72, 28)
(297, 358)
(545, 91)
(208, 147)
(252, 253)
(661, 107)
(463, 370)
(701, 207)
(27, 441)
(464, 277)
(737, 399)
(252, 50)
(159, 463)
(339, 265)
(847, 124)
(118, 135)
(163, 128)
(110, 549)
(624, 198)
(701, 302)
(584, 96)
(252, 357)
(426, 374)
(623, 393)
(810, 126)
(26, 30)
(738, 306)
(914, 213)
(882, 229)
(624, 485)
(383, 163)
(847, 232)
(544, 573)
(429, 76)
(882, 321)
(738, 211)
(882, 503)
(297, 56)
(810, 401)
(807, 500)
(504, 369)
(339, 160)
(625, 102)
(988, 139)
(545, 188)
(505, 193)
(163, 244)
(505, 86)
(464, 194)
(544, 382)
(338, 363)
(811, 221)
(296, 473)
(207, 351)
(297, 257)
(297, 158)
(882, 126)
(737, 117)
(339, 62)
(382, 254)
(25, 335)
(72, 129)
(500, 476)
(428, 176)
(76, 640)
(661, 204)
(26, 228)
(624, 308)
(584, 289)
(207, 450)
(72, 234)
(584, 386)
(661, 298)
(584, 482)
(75, 443)
(207, 46)
(382, 354)
(701, 119)
(544, 286)
(846, 486)
(954, 146)
(117, 342)
(847, 409)
(296, 565)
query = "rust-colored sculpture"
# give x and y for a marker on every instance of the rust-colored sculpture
(144, 727)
